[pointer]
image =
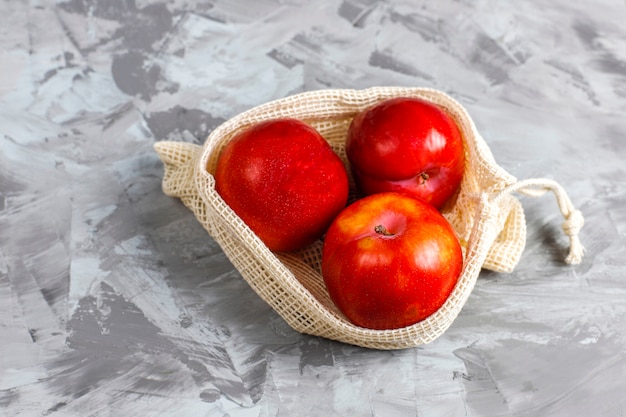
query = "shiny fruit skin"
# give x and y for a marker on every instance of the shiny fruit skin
(388, 280)
(284, 181)
(406, 145)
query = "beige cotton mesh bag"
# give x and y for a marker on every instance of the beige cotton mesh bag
(488, 219)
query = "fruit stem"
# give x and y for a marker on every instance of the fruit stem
(382, 230)
(423, 178)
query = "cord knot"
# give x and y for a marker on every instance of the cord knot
(571, 226)
(574, 220)
(573, 223)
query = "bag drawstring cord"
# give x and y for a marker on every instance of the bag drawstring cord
(574, 219)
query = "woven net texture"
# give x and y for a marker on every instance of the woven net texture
(492, 231)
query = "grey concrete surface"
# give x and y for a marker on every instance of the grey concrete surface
(115, 302)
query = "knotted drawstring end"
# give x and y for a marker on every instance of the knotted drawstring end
(572, 226)
(574, 219)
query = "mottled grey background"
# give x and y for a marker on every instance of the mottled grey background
(113, 301)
